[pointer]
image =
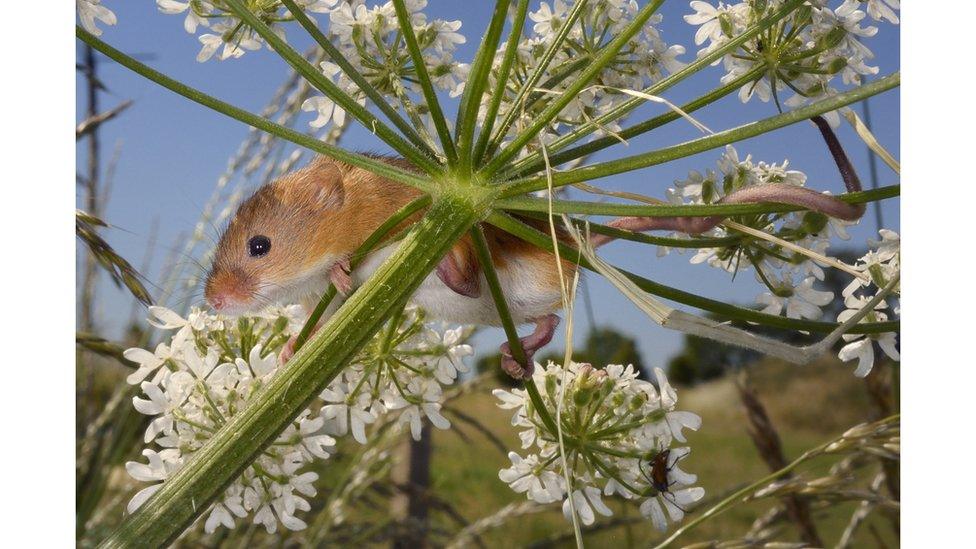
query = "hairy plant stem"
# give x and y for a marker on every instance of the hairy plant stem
(161, 519)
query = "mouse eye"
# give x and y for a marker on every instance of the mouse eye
(258, 245)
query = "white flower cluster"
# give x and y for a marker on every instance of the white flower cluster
(204, 375)
(614, 425)
(211, 366)
(804, 52)
(641, 62)
(226, 29)
(91, 10)
(776, 268)
(881, 264)
(402, 370)
(370, 39)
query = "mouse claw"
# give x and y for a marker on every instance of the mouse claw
(288, 350)
(511, 367)
(340, 277)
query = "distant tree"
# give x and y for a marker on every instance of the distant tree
(704, 359)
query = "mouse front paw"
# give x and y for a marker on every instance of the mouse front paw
(288, 350)
(340, 277)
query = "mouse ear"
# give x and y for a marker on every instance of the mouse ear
(321, 185)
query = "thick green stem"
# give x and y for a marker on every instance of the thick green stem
(525, 203)
(371, 92)
(420, 66)
(191, 490)
(370, 164)
(725, 310)
(315, 77)
(702, 144)
(540, 121)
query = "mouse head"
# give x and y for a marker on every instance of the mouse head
(270, 250)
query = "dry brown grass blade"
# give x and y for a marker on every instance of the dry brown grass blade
(103, 347)
(859, 515)
(121, 271)
(92, 123)
(767, 442)
(870, 140)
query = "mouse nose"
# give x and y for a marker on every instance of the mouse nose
(217, 302)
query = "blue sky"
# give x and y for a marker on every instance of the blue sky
(172, 152)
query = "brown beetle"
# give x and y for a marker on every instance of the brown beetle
(657, 477)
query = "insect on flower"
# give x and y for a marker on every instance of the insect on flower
(657, 470)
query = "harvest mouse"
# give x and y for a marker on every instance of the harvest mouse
(296, 234)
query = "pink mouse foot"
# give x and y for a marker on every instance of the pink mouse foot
(540, 337)
(340, 277)
(289, 350)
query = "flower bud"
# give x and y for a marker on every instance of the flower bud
(589, 382)
(832, 39)
(836, 65)
(638, 402)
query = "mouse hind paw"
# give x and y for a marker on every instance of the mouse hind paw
(545, 327)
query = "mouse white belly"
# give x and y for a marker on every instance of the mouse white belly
(528, 297)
